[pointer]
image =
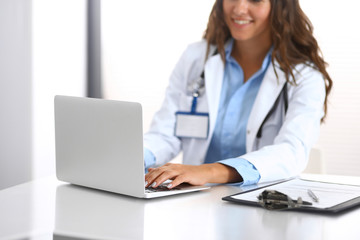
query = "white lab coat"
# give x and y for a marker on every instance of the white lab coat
(284, 147)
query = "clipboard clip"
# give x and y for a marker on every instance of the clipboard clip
(275, 200)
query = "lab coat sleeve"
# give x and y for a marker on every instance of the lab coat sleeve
(288, 155)
(160, 139)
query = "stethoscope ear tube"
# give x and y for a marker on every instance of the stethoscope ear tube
(197, 87)
(284, 94)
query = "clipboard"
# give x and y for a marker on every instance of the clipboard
(333, 197)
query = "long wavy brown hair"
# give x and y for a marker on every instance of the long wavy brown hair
(292, 38)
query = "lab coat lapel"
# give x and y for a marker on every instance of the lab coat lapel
(265, 99)
(214, 71)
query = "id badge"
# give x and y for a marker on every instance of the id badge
(192, 125)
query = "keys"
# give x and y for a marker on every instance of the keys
(274, 200)
(161, 188)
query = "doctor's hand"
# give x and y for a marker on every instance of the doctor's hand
(194, 175)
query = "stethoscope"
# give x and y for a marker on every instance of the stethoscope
(197, 88)
(283, 94)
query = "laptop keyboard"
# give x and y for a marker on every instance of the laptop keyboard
(160, 188)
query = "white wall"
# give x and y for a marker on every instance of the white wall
(141, 43)
(42, 53)
(142, 40)
(59, 67)
(336, 28)
(15, 92)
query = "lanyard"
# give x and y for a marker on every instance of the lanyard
(196, 91)
(194, 102)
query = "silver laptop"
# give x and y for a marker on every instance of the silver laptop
(99, 144)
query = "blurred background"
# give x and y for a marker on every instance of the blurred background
(126, 50)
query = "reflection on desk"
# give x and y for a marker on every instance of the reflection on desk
(50, 208)
(87, 213)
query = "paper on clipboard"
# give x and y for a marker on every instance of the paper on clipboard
(329, 194)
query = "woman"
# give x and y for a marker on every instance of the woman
(265, 91)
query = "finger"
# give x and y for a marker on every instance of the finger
(150, 178)
(166, 175)
(177, 181)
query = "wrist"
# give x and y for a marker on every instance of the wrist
(220, 173)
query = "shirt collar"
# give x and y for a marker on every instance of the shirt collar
(228, 49)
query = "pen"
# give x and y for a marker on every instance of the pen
(312, 195)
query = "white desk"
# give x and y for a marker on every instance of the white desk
(48, 208)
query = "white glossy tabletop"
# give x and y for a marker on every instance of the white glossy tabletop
(47, 208)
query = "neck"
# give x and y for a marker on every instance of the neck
(252, 52)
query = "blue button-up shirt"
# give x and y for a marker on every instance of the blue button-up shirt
(237, 98)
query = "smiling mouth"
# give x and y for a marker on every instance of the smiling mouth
(242, 22)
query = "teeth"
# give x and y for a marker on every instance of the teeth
(242, 21)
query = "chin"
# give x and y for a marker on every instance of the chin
(242, 38)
